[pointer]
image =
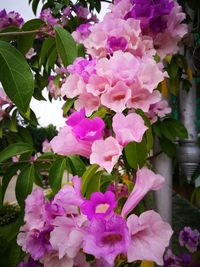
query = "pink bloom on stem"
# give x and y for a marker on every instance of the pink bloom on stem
(66, 143)
(106, 238)
(31, 52)
(34, 209)
(4, 98)
(161, 108)
(106, 153)
(46, 146)
(73, 86)
(129, 128)
(149, 74)
(142, 99)
(97, 85)
(67, 236)
(76, 117)
(90, 102)
(146, 180)
(120, 67)
(52, 260)
(116, 97)
(80, 260)
(100, 205)
(82, 32)
(149, 237)
(69, 197)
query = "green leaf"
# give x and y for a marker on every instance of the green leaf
(35, 6)
(56, 174)
(149, 139)
(136, 154)
(10, 172)
(26, 42)
(15, 149)
(168, 147)
(77, 165)
(15, 76)
(47, 47)
(66, 46)
(173, 68)
(88, 176)
(94, 184)
(24, 184)
(68, 104)
(51, 59)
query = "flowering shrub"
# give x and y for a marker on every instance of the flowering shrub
(111, 82)
(190, 239)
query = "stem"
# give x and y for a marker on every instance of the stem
(18, 33)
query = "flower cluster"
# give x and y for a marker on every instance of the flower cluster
(57, 232)
(10, 19)
(190, 239)
(83, 136)
(138, 27)
(119, 82)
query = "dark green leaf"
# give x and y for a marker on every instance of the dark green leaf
(47, 47)
(15, 149)
(88, 176)
(35, 6)
(15, 76)
(77, 165)
(68, 104)
(66, 46)
(168, 147)
(24, 184)
(94, 184)
(56, 174)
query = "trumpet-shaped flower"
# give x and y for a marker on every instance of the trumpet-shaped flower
(99, 206)
(130, 128)
(149, 237)
(106, 153)
(146, 180)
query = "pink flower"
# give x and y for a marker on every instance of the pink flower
(120, 67)
(4, 98)
(116, 97)
(54, 89)
(97, 85)
(34, 209)
(80, 260)
(31, 52)
(73, 86)
(75, 118)
(88, 101)
(106, 238)
(65, 143)
(149, 237)
(161, 108)
(69, 197)
(106, 153)
(142, 99)
(146, 180)
(46, 147)
(52, 260)
(129, 128)
(149, 74)
(99, 206)
(67, 236)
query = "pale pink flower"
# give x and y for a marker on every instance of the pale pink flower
(4, 98)
(120, 67)
(97, 85)
(80, 260)
(31, 52)
(34, 209)
(88, 101)
(73, 86)
(149, 237)
(54, 90)
(129, 128)
(69, 197)
(116, 97)
(106, 153)
(149, 74)
(142, 99)
(65, 143)
(46, 146)
(161, 108)
(67, 236)
(146, 180)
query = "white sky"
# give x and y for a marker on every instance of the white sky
(46, 111)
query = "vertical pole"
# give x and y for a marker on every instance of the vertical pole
(163, 198)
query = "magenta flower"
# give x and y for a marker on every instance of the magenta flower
(131, 128)
(106, 238)
(146, 180)
(11, 18)
(116, 43)
(30, 263)
(76, 117)
(149, 237)
(189, 238)
(106, 153)
(100, 205)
